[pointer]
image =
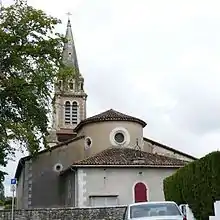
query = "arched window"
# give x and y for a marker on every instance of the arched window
(71, 85)
(67, 112)
(74, 112)
(140, 192)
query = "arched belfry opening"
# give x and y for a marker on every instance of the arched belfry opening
(71, 113)
(74, 113)
(67, 112)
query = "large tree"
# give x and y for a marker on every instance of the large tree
(30, 57)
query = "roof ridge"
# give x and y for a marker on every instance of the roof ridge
(110, 115)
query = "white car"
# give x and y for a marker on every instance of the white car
(153, 211)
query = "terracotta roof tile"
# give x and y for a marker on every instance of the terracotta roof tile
(110, 115)
(128, 156)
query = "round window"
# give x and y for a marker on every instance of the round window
(88, 142)
(58, 167)
(119, 137)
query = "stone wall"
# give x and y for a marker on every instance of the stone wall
(104, 213)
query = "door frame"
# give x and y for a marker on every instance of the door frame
(133, 190)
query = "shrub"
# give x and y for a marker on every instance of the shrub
(197, 184)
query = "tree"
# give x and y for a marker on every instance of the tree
(8, 203)
(30, 58)
(197, 184)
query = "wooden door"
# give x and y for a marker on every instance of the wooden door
(140, 192)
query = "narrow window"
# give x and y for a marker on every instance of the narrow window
(71, 86)
(60, 84)
(81, 86)
(67, 112)
(74, 113)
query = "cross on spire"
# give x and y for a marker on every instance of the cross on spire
(68, 14)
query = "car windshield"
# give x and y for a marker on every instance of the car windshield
(155, 209)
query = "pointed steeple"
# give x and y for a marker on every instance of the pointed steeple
(69, 50)
(70, 97)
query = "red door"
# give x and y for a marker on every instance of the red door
(140, 192)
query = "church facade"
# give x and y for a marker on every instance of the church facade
(97, 161)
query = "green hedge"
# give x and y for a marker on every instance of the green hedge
(197, 184)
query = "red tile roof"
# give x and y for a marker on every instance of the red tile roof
(110, 115)
(129, 157)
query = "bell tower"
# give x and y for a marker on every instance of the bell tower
(70, 97)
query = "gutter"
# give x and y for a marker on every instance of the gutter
(130, 166)
(119, 166)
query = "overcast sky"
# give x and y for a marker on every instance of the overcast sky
(154, 59)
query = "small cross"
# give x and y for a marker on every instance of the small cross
(68, 14)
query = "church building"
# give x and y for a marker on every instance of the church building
(103, 160)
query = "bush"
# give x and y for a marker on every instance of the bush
(197, 184)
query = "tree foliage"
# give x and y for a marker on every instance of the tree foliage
(30, 57)
(197, 184)
(8, 203)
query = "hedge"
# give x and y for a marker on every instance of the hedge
(197, 184)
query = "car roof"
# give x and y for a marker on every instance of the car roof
(158, 202)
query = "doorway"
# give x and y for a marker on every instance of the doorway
(140, 192)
